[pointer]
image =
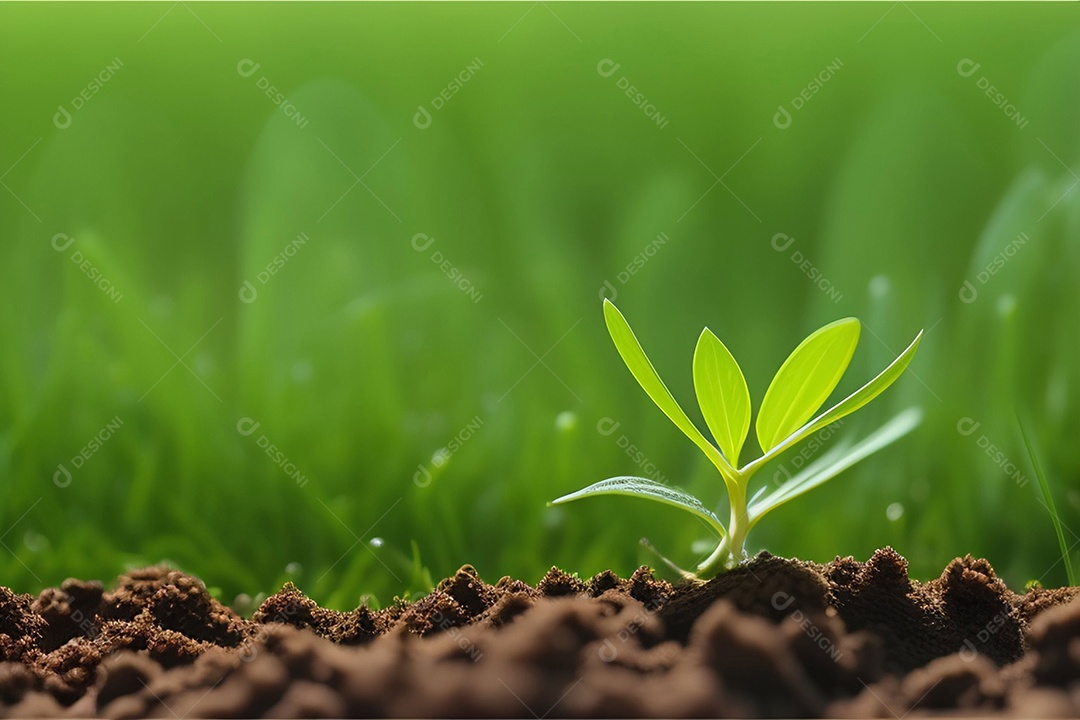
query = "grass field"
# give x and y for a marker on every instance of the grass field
(313, 293)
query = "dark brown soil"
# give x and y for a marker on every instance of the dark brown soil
(772, 638)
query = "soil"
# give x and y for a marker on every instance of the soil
(774, 637)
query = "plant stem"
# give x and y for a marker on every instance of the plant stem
(719, 558)
(730, 552)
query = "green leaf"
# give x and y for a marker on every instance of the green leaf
(643, 371)
(722, 394)
(651, 490)
(852, 402)
(834, 462)
(805, 381)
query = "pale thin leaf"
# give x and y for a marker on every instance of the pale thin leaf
(805, 381)
(722, 394)
(651, 490)
(643, 371)
(835, 461)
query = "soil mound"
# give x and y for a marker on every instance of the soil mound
(773, 637)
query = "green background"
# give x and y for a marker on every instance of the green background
(539, 179)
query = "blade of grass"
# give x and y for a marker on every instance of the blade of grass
(1048, 501)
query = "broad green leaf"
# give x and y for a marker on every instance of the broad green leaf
(851, 403)
(834, 462)
(722, 394)
(805, 381)
(643, 371)
(651, 490)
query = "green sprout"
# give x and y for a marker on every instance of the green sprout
(797, 391)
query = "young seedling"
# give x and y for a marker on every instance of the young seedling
(800, 387)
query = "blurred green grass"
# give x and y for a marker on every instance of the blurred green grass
(538, 180)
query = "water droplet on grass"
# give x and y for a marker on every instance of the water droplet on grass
(301, 371)
(204, 364)
(566, 421)
(894, 512)
(35, 542)
(376, 542)
(162, 306)
(554, 517)
(1005, 305)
